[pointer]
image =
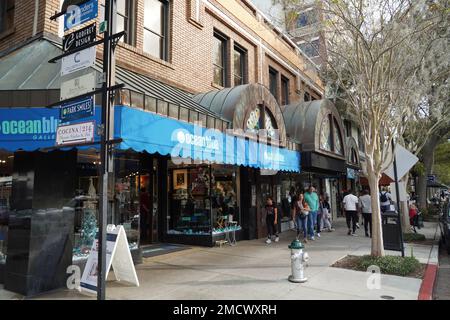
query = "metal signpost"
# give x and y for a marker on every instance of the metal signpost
(80, 54)
(397, 193)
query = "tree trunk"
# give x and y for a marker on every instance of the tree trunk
(404, 208)
(427, 160)
(377, 231)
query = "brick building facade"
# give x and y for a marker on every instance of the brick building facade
(188, 39)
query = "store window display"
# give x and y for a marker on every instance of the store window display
(202, 200)
(225, 210)
(189, 201)
(6, 165)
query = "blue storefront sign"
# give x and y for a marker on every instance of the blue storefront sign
(34, 128)
(80, 14)
(79, 109)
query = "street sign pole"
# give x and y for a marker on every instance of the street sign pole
(106, 162)
(397, 193)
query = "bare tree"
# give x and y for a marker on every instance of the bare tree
(373, 62)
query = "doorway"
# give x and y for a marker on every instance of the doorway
(148, 201)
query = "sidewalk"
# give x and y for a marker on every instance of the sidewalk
(255, 270)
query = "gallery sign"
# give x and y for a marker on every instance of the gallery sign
(80, 38)
(82, 108)
(78, 61)
(79, 14)
(78, 86)
(77, 133)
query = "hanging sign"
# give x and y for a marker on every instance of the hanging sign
(79, 14)
(79, 109)
(118, 256)
(77, 133)
(78, 61)
(80, 38)
(78, 86)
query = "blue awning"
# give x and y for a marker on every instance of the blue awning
(35, 128)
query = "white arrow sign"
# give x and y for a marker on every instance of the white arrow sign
(405, 161)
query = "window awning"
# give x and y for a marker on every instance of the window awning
(32, 129)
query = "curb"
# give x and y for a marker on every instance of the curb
(426, 289)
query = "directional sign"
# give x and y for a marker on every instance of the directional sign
(80, 37)
(78, 109)
(78, 61)
(77, 15)
(405, 161)
(77, 133)
(78, 86)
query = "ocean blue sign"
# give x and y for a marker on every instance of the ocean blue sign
(77, 109)
(31, 128)
(80, 14)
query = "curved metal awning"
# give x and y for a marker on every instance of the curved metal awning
(303, 124)
(236, 104)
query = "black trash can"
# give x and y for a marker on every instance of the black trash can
(391, 231)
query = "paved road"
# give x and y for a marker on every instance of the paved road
(442, 285)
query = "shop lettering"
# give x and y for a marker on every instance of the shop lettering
(196, 140)
(33, 127)
(273, 156)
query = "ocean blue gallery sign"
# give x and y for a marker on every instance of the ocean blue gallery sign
(78, 109)
(80, 14)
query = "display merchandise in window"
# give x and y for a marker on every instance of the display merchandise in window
(225, 211)
(86, 218)
(189, 205)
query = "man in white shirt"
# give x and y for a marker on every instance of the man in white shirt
(365, 203)
(351, 204)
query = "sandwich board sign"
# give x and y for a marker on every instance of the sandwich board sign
(118, 256)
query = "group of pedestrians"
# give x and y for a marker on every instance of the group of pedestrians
(353, 206)
(311, 214)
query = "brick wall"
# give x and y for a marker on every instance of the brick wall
(189, 64)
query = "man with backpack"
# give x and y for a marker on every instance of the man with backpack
(385, 200)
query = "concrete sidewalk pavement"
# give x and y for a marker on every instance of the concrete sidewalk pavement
(253, 270)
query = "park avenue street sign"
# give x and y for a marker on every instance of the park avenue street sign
(77, 133)
(80, 14)
(82, 108)
(78, 61)
(78, 86)
(80, 38)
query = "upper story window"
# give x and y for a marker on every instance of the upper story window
(348, 128)
(273, 82)
(284, 91)
(240, 58)
(310, 48)
(361, 141)
(219, 60)
(338, 145)
(307, 18)
(261, 120)
(307, 96)
(125, 19)
(156, 20)
(330, 138)
(6, 15)
(353, 156)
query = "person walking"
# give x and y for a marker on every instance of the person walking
(312, 199)
(271, 220)
(301, 212)
(385, 200)
(351, 210)
(365, 203)
(326, 214)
